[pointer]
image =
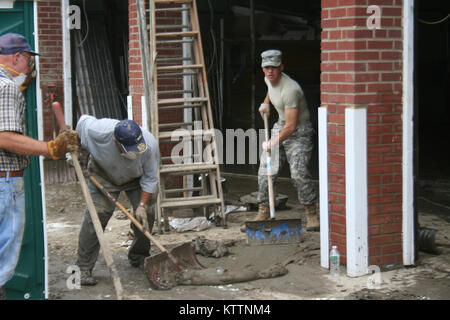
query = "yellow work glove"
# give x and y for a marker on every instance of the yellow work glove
(66, 141)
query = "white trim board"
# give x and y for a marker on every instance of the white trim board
(356, 191)
(67, 64)
(323, 187)
(408, 134)
(40, 125)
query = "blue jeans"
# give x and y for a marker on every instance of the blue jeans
(12, 225)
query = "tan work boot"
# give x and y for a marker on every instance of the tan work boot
(263, 214)
(312, 218)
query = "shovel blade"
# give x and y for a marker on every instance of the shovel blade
(281, 231)
(162, 269)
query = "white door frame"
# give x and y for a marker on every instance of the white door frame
(408, 133)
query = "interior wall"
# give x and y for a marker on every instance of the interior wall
(112, 17)
(432, 84)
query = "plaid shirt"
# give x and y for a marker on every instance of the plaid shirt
(12, 113)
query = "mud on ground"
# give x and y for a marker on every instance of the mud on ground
(306, 279)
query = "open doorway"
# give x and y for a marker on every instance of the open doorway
(100, 59)
(432, 115)
(233, 60)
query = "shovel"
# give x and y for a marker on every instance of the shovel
(159, 268)
(272, 231)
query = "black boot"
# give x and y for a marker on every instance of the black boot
(87, 279)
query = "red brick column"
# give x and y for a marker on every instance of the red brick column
(51, 58)
(136, 79)
(362, 68)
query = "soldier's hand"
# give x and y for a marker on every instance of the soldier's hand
(264, 108)
(66, 141)
(266, 145)
(141, 216)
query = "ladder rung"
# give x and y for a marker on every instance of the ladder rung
(179, 157)
(189, 203)
(183, 106)
(174, 124)
(183, 190)
(184, 133)
(173, 1)
(175, 91)
(177, 74)
(183, 199)
(171, 9)
(174, 26)
(174, 41)
(177, 34)
(188, 66)
(188, 168)
(159, 59)
(181, 100)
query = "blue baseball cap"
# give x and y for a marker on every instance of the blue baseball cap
(129, 135)
(11, 43)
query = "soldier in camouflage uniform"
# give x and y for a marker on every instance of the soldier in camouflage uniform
(291, 139)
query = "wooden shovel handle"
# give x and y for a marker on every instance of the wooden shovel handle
(269, 170)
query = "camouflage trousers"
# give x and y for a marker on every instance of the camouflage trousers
(296, 150)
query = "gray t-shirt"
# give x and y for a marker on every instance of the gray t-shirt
(288, 94)
(97, 137)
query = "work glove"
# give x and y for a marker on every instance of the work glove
(264, 108)
(66, 141)
(141, 216)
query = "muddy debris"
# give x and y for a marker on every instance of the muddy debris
(220, 276)
(212, 248)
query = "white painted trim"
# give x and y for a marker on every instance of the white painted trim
(144, 113)
(40, 124)
(356, 191)
(67, 64)
(130, 107)
(408, 133)
(323, 187)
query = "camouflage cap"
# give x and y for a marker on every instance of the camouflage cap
(271, 58)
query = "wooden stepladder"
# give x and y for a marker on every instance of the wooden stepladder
(181, 115)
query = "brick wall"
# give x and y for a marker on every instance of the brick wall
(136, 80)
(51, 58)
(363, 68)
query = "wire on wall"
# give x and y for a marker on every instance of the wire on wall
(435, 22)
(87, 24)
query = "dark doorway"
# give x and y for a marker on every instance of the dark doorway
(100, 59)
(233, 62)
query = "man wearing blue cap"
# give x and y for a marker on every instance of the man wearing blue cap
(291, 139)
(123, 157)
(16, 60)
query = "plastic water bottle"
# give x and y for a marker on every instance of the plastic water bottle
(335, 267)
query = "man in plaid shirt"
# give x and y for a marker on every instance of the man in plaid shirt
(16, 61)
